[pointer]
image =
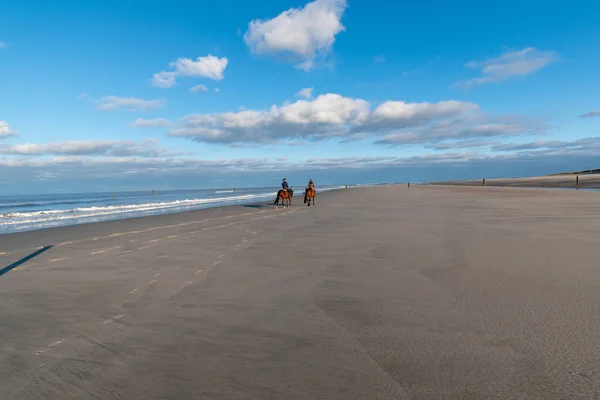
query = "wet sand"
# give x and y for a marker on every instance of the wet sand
(375, 293)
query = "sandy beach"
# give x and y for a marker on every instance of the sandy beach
(388, 292)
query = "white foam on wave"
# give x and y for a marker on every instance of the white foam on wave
(29, 218)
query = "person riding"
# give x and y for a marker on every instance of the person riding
(285, 186)
(311, 185)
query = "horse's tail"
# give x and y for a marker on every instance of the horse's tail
(276, 199)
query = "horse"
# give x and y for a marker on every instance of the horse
(309, 195)
(285, 196)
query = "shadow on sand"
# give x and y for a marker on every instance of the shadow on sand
(24, 260)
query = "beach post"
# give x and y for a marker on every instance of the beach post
(152, 192)
(577, 182)
(409, 184)
(483, 182)
(346, 187)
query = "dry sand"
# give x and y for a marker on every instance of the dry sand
(376, 293)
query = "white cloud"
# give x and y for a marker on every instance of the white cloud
(399, 114)
(164, 79)
(510, 64)
(307, 93)
(3, 44)
(6, 130)
(152, 123)
(209, 67)
(217, 90)
(305, 33)
(334, 116)
(328, 115)
(349, 119)
(198, 88)
(114, 148)
(129, 103)
(591, 114)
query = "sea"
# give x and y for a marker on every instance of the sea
(31, 212)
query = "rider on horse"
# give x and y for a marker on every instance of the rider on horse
(284, 185)
(311, 185)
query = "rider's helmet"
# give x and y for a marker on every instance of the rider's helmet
(284, 179)
(310, 181)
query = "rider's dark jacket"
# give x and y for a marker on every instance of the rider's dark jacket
(285, 185)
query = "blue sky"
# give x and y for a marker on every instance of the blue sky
(96, 95)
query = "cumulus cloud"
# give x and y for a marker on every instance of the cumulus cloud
(210, 67)
(328, 115)
(198, 88)
(393, 115)
(6, 130)
(591, 114)
(509, 64)
(152, 123)
(307, 93)
(113, 148)
(335, 116)
(129, 103)
(307, 33)
(164, 79)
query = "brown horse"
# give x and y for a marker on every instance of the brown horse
(309, 195)
(285, 196)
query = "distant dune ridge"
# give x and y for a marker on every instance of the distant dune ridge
(589, 179)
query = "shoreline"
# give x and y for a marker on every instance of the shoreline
(154, 213)
(71, 232)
